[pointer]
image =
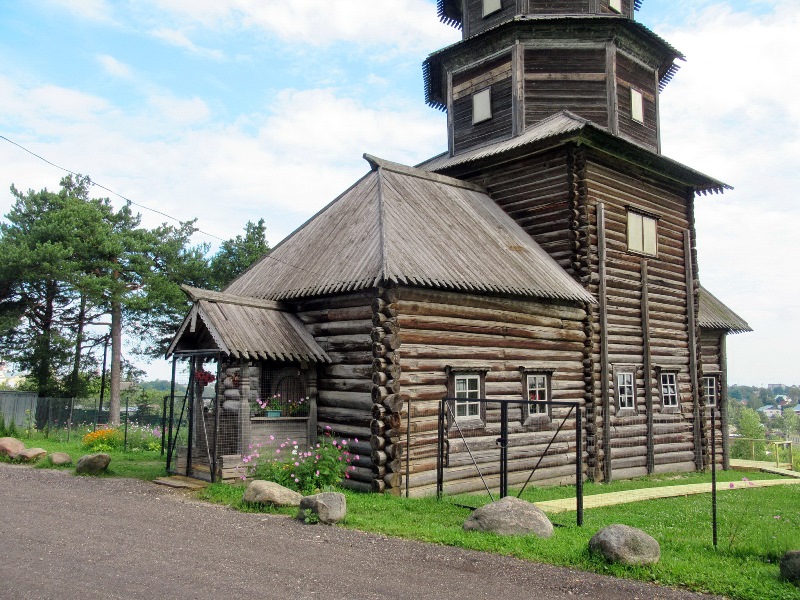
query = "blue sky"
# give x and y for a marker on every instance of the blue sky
(233, 110)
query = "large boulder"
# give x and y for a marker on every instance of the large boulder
(510, 516)
(59, 459)
(624, 544)
(10, 447)
(790, 566)
(328, 508)
(92, 464)
(31, 454)
(269, 492)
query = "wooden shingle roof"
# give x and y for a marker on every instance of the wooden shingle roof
(247, 328)
(715, 315)
(404, 225)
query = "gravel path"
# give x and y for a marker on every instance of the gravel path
(66, 537)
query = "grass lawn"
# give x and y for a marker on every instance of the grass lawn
(142, 464)
(756, 526)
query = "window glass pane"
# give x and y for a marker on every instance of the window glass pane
(635, 241)
(615, 5)
(491, 6)
(461, 385)
(649, 236)
(482, 106)
(637, 107)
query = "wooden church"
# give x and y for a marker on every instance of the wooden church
(548, 254)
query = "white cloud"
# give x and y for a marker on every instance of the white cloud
(731, 112)
(405, 24)
(179, 39)
(114, 67)
(93, 10)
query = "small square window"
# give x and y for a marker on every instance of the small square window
(482, 106)
(669, 390)
(626, 390)
(537, 393)
(615, 5)
(467, 390)
(710, 390)
(491, 6)
(637, 106)
(642, 234)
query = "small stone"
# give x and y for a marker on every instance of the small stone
(269, 492)
(790, 566)
(92, 464)
(31, 454)
(625, 544)
(60, 458)
(328, 508)
(10, 447)
(510, 516)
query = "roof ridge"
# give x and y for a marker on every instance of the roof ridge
(378, 163)
(198, 294)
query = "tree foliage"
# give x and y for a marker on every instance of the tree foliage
(74, 265)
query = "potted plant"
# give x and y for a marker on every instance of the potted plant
(271, 407)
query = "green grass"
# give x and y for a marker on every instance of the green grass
(743, 566)
(137, 465)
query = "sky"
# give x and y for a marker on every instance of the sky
(233, 110)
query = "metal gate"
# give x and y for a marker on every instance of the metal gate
(511, 443)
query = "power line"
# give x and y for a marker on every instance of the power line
(129, 201)
(109, 190)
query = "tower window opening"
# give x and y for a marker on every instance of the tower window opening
(491, 7)
(482, 106)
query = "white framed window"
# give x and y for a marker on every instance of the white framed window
(615, 5)
(537, 393)
(491, 7)
(711, 390)
(669, 390)
(626, 390)
(467, 391)
(482, 106)
(637, 106)
(642, 236)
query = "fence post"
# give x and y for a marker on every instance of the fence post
(579, 465)
(713, 476)
(439, 452)
(503, 440)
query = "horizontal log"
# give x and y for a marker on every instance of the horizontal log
(356, 400)
(347, 371)
(345, 431)
(358, 486)
(361, 474)
(345, 385)
(344, 416)
(393, 402)
(335, 328)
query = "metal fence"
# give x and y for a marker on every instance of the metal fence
(493, 446)
(27, 415)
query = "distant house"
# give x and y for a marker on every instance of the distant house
(796, 410)
(782, 400)
(770, 411)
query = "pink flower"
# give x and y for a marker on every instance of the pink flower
(317, 474)
(272, 438)
(355, 440)
(296, 480)
(730, 485)
(296, 464)
(778, 517)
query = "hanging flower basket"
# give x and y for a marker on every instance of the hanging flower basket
(203, 378)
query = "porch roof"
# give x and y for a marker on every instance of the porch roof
(247, 328)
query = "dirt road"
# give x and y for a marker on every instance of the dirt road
(76, 538)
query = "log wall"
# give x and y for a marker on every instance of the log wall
(648, 327)
(497, 74)
(713, 361)
(441, 330)
(475, 22)
(559, 79)
(632, 74)
(342, 326)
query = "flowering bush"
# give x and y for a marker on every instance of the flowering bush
(289, 408)
(305, 471)
(104, 439)
(144, 438)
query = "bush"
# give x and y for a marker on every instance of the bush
(102, 440)
(305, 471)
(142, 438)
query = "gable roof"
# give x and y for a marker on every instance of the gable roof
(404, 225)
(715, 315)
(566, 126)
(451, 12)
(246, 328)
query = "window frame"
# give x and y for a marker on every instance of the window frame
(715, 378)
(674, 396)
(485, 110)
(490, 7)
(469, 421)
(620, 371)
(544, 410)
(637, 106)
(643, 219)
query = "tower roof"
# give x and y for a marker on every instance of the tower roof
(405, 225)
